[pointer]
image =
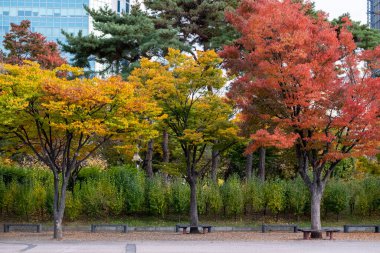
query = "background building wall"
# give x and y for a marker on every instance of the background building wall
(373, 12)
(49, 17)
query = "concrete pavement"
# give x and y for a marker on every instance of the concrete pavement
(292, 246)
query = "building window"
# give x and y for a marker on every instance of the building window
(127, 7)
(118, 6)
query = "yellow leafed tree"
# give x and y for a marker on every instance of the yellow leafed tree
(63, 118)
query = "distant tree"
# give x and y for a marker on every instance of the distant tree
(364, 37)
(119, 40)
(22, 44)
(200, 23)
(63, 121)
(308, 84)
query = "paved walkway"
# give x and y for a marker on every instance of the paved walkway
(296, 246)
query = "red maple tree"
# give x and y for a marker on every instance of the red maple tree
(22, 44)
(312, 88)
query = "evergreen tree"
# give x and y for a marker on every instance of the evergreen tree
(119, 40)
(364, 37)
(200, 22)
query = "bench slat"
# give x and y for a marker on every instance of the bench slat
(123, 226)
(267, 227)
(8, 226)
(347, 227)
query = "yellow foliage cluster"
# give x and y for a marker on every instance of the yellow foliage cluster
(59, 103)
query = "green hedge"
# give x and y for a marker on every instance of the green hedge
(27, 194)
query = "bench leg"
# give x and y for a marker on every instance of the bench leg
(306, 235)
(330, 234)
(184, 231)
(204, 230)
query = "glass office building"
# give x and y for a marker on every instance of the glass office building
(373, 14)
(48, 17)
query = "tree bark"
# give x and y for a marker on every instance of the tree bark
(59, 206)
(262, 163)
(165, 151)
(193, 205)
(248, 166)
(165, 146)
(149, 159)
(214, 164)
(316, 197)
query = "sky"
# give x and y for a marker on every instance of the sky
(335, 8)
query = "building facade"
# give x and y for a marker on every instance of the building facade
(373, 14)
(49, 17)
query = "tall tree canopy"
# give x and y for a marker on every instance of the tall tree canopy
(309, 86)
(22, 44)
(195, 115)
(63, 121)
(119, 40)
(200, 22)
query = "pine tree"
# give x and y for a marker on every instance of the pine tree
(200, 22)
(120, 40)
(364, 37)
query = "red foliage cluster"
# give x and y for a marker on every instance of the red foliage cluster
(22, 44)
(310, 84)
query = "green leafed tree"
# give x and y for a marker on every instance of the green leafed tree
(364, 37)
(119, 40)
(200, 22)
(195, 115)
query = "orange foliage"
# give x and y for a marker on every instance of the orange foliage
(296, 75)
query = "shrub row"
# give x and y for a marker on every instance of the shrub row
(27, 194)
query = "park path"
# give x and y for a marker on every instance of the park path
(293, 246)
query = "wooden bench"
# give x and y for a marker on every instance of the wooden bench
(124, 227)
(346, 228)
(36, 226)
(184, 228)
(329, 232)
(283, 227)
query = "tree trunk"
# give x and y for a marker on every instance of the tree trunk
(248, 166)
(165, 146)
(58, 231)
(193, 205)
(214, 164)
(316, 197)
(165, 151)
(149, 159)
(262, 163)
(59, 206)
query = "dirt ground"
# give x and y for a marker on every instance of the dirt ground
(171, 236)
